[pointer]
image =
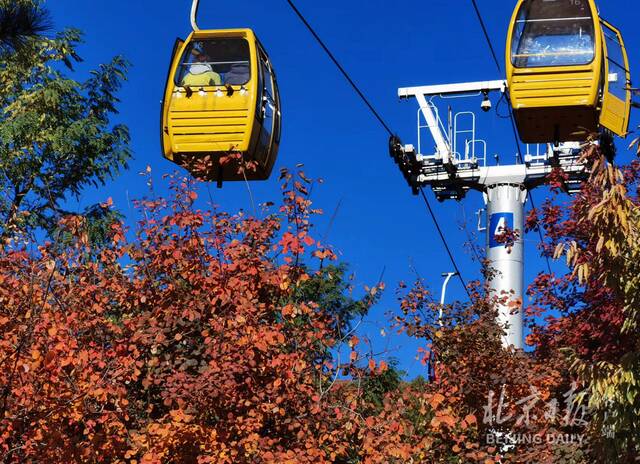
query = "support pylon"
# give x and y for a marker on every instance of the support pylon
(455, 168)
(505, 212)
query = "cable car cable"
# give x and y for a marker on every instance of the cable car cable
(533, 205)
(386, 127)
(453, 261)
(339, 66)
(486, 34)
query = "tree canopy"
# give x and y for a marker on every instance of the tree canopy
(55, 133)
(20, 22)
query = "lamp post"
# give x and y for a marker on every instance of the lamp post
(447, 276)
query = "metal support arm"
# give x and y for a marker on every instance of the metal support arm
(453, 89)
(442, 146)
(447, 276)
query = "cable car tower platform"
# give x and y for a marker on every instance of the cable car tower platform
(458, 163)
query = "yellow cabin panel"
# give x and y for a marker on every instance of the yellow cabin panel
(206, 113)
(562, 87)
(521, 86)
(615, 116)
(194, 122)
(196, 115)
(555, 80)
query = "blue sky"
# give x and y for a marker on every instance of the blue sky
(384, 45)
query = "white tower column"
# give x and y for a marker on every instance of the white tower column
(505, 211)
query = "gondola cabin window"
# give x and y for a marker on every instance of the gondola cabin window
(270, 131)
(214, 62)
(617, 67)
(553, 33)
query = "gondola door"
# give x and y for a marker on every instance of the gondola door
(270, 112)
(616, 98)
(166, 101)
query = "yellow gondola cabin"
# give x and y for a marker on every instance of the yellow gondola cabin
(222, 99)
(567, 72)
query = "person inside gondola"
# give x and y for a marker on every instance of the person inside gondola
(239, 71)
(200, 72)
(238, 74)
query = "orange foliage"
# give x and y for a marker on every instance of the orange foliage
(188, 341)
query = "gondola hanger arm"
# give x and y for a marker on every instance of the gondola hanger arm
(194, 15)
